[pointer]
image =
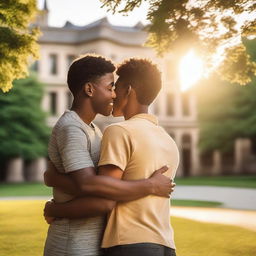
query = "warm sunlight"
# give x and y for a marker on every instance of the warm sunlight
(190, 70)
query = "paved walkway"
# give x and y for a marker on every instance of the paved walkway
(244, 219)
(240, 200)
(234, 198)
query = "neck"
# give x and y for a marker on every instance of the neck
(84, 110)
(135, 109)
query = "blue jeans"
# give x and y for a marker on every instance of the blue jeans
(141, 249)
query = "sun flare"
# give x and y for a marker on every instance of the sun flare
(191, 70)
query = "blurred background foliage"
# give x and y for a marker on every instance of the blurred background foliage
(18, 44)
(214, 28)
(226, 111)
(23, 130)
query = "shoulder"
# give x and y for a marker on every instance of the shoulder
(68, 132)
(117, 128)
(116, 133)
(67, 120)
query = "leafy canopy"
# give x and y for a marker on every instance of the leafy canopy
(214, 28)
(23, 130)
(18, 40)
(226, 112)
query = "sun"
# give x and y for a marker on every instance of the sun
(191, 70)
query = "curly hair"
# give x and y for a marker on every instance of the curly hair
(87, 68)
(143, 76)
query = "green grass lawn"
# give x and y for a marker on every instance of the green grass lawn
(223, 181)
(195, 238)
(23, 233)
(24, 189)
(39, 189)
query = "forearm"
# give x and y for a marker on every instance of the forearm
(67, 185)
(81, 208)
(115, 189)
(60, 181)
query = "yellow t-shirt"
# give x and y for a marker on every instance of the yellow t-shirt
(139, 146)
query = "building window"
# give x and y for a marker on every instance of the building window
(170, 104)
(185, 104)
(53, 64)
(70, 59)
(69, 100)
(53, 103)
(34, 66)
(186, 141)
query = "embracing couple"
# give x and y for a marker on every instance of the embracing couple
(111, 192)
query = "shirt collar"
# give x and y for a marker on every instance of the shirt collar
(77, 117)
(148, 117)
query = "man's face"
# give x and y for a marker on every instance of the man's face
(103, 95)
(121, 99)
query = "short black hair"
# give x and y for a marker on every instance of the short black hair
(143, 76)
(87, 68)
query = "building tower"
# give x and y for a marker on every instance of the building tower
(42, 19)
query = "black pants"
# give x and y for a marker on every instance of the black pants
(141, 249)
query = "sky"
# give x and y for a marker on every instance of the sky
(82, 12)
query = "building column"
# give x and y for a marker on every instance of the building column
(15, 170)
(217, 163)
(242, 153)
(195, 158)
(162, 105)
(44, 66)
(35, 170)
(178, 105)
(192, 106)
(46, 101)
(62, 66)
(61, 101)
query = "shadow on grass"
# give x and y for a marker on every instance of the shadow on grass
(195, 203)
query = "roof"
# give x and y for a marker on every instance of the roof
(99, 29)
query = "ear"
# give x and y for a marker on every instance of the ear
(131, 93)
(88, 89)
(129, 90)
